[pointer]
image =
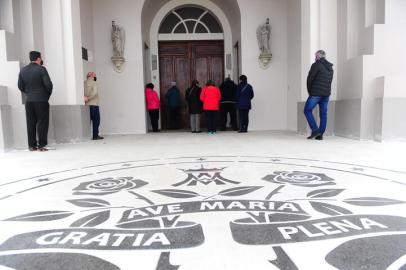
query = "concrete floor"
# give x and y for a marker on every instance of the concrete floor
(261, 200)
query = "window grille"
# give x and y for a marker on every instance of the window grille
(190, 20)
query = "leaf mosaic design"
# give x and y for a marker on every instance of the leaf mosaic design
(89, 202)
(92, 220)
(177, 193)
(42, 216)
(239, 191)
(330, 209)
(372, 201)
(324, 193)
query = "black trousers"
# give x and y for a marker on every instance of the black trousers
(37, 115)
(95, 118)
(225, 110)
(211, 120)
(154, 117)
(174, 119)
(244, 119)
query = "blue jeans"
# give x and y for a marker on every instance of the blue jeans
(95, 118)
(311, 103)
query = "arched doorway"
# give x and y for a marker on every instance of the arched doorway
(191, 46)
(188, 39)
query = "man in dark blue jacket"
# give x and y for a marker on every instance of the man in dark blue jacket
(245, 94)
(173, 102)
(35, 83)
(319, 88)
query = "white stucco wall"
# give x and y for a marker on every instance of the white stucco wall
(368, 31)
(86, 20)
(395, 11)
(37, 22)
(62, 50)
(122, 102)
(6, 15)
(294, 62)
(328, 37)
(270, 103)
(11, 46)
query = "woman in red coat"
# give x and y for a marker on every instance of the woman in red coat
(153, 105)
(211, 97)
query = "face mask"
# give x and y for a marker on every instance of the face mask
(95, 78)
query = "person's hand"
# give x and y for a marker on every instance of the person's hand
(86, 99)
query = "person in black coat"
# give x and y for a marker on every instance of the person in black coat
(227, 104)
(319, 87)
(245, 94)
(192, 97)
(35, 83)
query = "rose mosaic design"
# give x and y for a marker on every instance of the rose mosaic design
(108, 186)
(298, 178)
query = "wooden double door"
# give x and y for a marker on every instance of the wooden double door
(184, 61)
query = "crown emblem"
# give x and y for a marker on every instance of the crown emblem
(204, 176)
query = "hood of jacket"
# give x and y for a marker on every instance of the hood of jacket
(326, 64)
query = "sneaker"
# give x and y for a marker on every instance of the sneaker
(314, 135)
(319, 137)
(97, 138)
(43, 149)
(32, 149)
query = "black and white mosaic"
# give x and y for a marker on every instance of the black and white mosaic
(218, 212)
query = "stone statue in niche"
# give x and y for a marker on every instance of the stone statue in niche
(118, 42)
(264, 37)
(118, 39)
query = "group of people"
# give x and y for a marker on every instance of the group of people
(34, 81)
(210, 100)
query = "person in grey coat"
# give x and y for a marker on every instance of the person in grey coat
(35, 83)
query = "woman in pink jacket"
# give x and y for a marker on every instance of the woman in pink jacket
(153, 105)
(211, 97)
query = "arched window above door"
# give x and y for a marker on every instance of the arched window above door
(190, 20)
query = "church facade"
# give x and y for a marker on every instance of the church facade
(272, 42)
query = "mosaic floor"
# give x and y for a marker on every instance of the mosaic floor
(179, 201)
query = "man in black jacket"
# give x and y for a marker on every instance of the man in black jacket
(35, 83)
(319, 88)
(227, 104)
